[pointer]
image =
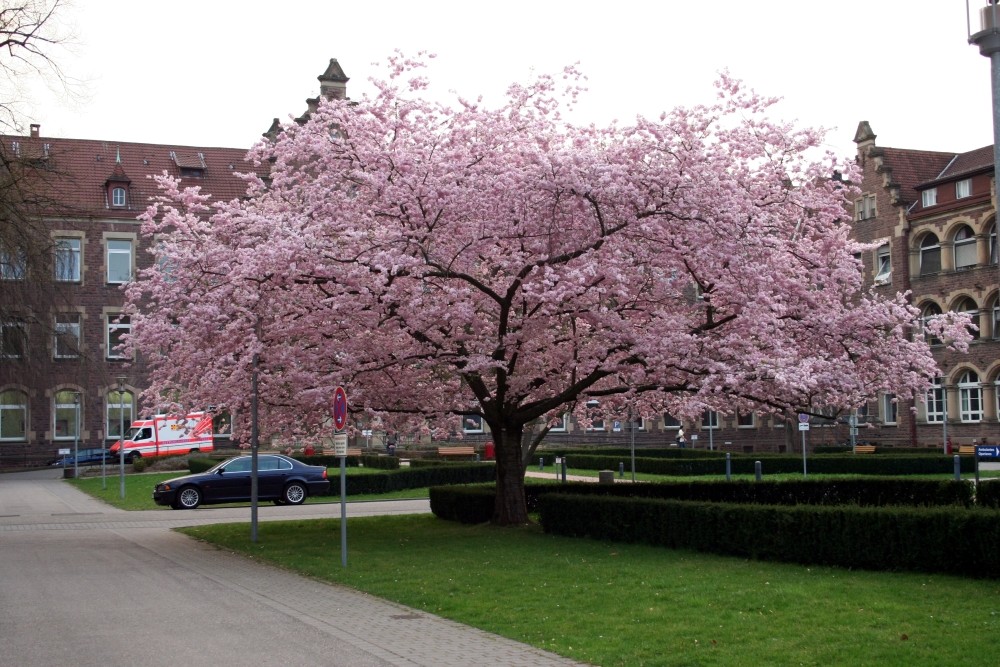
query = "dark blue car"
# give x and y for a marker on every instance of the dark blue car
(85, 457)
(280, 479)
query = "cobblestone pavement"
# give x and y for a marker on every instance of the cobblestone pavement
(90, 585)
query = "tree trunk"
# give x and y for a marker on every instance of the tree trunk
(511, 507)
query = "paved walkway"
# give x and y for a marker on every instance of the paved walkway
(86, 584)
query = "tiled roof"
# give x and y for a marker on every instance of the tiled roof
(76, 171)
(967, 163)
(910, 168)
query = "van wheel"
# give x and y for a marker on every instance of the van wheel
(134, 456)
(188, 498)
(194, 451)
(295, 493)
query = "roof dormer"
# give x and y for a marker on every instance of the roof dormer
(190, 165)
(117, 186)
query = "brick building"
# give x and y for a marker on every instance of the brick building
(933, 218)
(59, 362)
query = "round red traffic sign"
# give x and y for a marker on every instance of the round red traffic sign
(339, 408)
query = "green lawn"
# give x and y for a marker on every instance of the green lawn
(616, 604)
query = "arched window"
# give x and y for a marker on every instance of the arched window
(995, 318)
(993, 243)
(934, 402)
(965, 248)
(969, 307)
(929, 312)
(118, 197)
(970, 395)
(66, 415)
(120, 412)
(13, 415)
(930, 255)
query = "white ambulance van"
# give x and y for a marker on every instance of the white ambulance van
(167, 435)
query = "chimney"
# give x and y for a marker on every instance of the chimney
(35, 127)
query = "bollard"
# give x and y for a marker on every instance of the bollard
(563, 462)
(756, 470)
(621, 469)
(541, 463)
(729, 468)
(958, 468)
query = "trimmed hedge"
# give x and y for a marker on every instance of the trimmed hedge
(468, 504)
(413, 478)
(897, 538)
(825, 464)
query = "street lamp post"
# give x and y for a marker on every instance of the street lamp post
(121, 437)
(76, 436)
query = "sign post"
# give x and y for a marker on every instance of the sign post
(803, 427)
(338, 409)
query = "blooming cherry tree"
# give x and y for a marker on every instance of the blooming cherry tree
(452, 259)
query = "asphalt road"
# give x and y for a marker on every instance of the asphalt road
(88, 585)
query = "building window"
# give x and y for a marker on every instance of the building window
(67, 336)
(118, 327)
(883, 265)
(970, 397)
(670, 422)
(864, 208)
(592, 414)
(930, 255)
(472, 424)
(68, 259)
(119, 260)
(710, 419)
(963, 188)
(66, 415)
(560, 426)
(118, 197)
(929, 312)
(12, 264)
(889, 409)
(928, 197)
(965, 248)
(13, 415)
(745, 420)
(996, 320)
(969, 307)
(13, 338)
(120, 409)
(934, 400)
(993, 244)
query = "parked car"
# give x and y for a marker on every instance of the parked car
(280, 479)
(85, 457)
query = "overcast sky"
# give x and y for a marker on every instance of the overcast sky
(215, 72)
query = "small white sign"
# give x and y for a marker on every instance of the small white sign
(340, 444)
(367, 433)
(803, 426)
(64, 451)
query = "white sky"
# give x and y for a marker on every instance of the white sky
(215, 72)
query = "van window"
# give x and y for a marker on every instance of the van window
(144, 434)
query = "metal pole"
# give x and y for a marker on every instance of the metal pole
(803, 453)
(121, 442)
(944, 418)
(76, 436)
(253, 450)
(631, 421)
(343, 511)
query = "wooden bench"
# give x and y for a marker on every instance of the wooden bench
(864, 449)
(967, 449)
(457, 451)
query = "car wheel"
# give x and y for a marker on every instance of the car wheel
(188, 498)
(134, 456)
(295, 494)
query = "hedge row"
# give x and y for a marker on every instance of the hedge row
(826, 464)
(413, 478)
(897, 538)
